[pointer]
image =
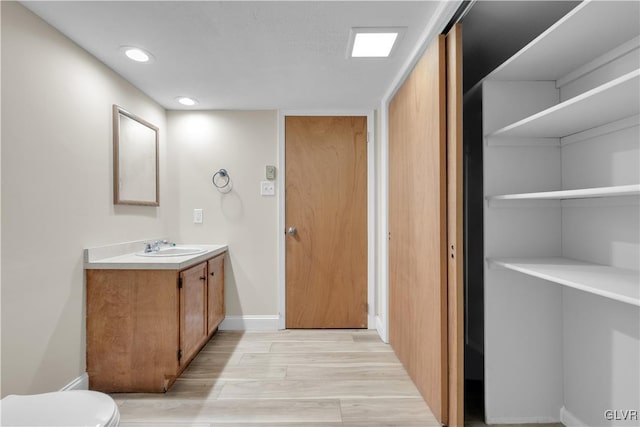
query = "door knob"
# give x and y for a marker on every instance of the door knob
(291, 231)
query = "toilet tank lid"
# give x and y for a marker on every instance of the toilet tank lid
(73, 408)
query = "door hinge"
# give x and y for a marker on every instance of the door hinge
(179, 282)
(179, 355)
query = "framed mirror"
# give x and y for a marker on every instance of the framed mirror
(135, 160)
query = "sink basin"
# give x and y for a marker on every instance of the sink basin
(173, 251)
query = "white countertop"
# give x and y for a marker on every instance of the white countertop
(95, 259)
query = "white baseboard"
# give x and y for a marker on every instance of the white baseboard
(522, 420)
(250, 323)
(80, 383)
(570, 420)
(381, 330)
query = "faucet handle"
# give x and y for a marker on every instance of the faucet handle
(147, 247)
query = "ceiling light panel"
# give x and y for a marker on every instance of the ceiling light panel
(373, 45)
(373, 42)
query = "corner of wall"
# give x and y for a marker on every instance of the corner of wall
(570, 420)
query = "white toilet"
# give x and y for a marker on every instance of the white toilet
(73, 408)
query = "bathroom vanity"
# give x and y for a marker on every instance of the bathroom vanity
(148, 316)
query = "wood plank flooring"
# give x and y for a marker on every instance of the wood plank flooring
(301, 378)
(320, 378)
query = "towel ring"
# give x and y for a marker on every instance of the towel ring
(221, 175)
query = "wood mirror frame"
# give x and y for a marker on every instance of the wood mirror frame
(135, 160)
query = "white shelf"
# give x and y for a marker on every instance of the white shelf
(573, 41)
(609, 102)
(615, 283)
(583, 193)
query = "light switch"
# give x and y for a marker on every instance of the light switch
(267, 188)
(270, 172)
(197, 216)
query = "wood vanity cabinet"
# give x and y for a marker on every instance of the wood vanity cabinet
(145, 326)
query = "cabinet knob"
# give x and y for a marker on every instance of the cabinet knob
(213, 272)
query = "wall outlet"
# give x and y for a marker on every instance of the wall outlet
(267, 188)
(197, 216)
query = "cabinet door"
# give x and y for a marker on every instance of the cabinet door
(215, 293)
(193, 311)
(132, 330)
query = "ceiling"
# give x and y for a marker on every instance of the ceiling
(242, 54)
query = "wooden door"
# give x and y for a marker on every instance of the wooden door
(455, 271)
(326, 203)
(215, 293)
(418, 228)
(193, 311)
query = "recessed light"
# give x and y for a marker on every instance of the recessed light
(373, 42)
(185, 100)
(373, 45)
(137, 54)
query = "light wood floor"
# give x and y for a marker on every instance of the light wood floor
(321, 378)
(301, 378)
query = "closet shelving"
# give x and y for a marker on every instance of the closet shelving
(561, 120)
(567, 51)
(580, 193)
(615, 283)
(575, 45)
(609, 102)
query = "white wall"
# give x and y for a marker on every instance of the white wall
(601, 348)
(243, 143)
(522, 314)
(0, 210)
(381, 226)
(57, 195)
(601, 345)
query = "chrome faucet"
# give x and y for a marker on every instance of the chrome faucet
(155, 246)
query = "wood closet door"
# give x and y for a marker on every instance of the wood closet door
(418, 228)
(455, 207)
(326, 202)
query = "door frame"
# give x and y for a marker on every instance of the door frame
(371, 208)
